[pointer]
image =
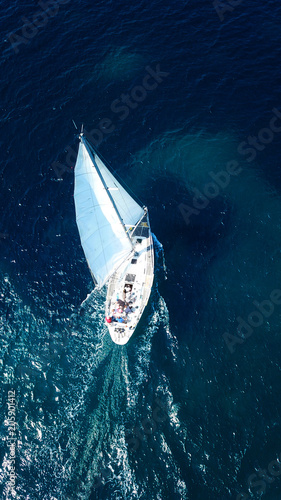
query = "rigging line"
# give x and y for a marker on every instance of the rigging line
(115, 173)
(121, 189)
(132, 193)
(123, 199)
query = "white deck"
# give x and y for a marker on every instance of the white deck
(138, 272)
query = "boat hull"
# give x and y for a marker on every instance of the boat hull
(130, 286)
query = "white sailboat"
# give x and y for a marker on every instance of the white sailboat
(116, 238)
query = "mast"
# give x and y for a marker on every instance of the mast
(83, 140)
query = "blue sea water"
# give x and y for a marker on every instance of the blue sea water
(174, 414)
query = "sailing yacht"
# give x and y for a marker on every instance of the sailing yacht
(117, 242)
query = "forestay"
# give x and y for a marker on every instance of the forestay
(103, 237)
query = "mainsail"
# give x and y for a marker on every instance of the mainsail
(103, 209)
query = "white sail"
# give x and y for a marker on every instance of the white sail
(103, 237)
(128, 209)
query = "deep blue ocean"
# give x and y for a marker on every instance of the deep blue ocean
(184, 103)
